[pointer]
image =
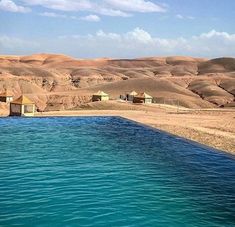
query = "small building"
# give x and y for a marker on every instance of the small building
(142, 98)
(6, 97)
(130, 96)
(100, 96)
(22, 106)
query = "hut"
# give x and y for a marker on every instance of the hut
(142, 98)
(6, 97)
(100, 96)
(130, 96)
(22, 106)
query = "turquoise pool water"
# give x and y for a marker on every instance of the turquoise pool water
(106, 171)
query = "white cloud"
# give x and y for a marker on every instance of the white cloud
(134, 43)
(62, 5)
(215, 34)
(110, 12)
(109, 36)
(10, 6)
(181, 17)
(51, 14)
(121, 8)
(190, 17)
(12, 45)
(91, 18)
(139, 35)
(136, 5)
(213, 41)
(139, 42)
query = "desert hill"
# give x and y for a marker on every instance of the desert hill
(62, 82)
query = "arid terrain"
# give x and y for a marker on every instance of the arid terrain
(58, 82)
(191, 91)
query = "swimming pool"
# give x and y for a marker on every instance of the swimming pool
(107, 171)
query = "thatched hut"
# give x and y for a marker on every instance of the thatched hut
(22, 106)
(130, 96)
(100, 96)
(6, 97)
(142, 98)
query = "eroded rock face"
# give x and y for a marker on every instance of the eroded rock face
(57, 82)
(65, 102)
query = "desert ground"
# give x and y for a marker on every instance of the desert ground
(59, 82)
(195, 96)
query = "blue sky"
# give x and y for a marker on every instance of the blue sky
(118, 28)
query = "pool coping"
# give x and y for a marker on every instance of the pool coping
(204, 146)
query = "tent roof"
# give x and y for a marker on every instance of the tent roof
(144, 95)
(22, 100)
(101, 93)
(6, 93)
(133, 93)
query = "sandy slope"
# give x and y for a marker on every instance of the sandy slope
(61, 82)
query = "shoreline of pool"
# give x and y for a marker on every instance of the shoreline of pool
(219, 140)
(183, 125)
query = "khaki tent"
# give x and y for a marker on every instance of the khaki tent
(130, 96)
(22, 106)
(100, 96)
(6, 97)
(142, 98)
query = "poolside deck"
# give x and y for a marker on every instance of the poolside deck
(210, 127)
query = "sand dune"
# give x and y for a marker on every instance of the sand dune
(210, 91)
(217, 65)
(62, 82)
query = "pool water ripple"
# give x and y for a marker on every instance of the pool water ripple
(106, 171)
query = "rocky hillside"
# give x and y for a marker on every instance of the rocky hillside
(61, 82)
